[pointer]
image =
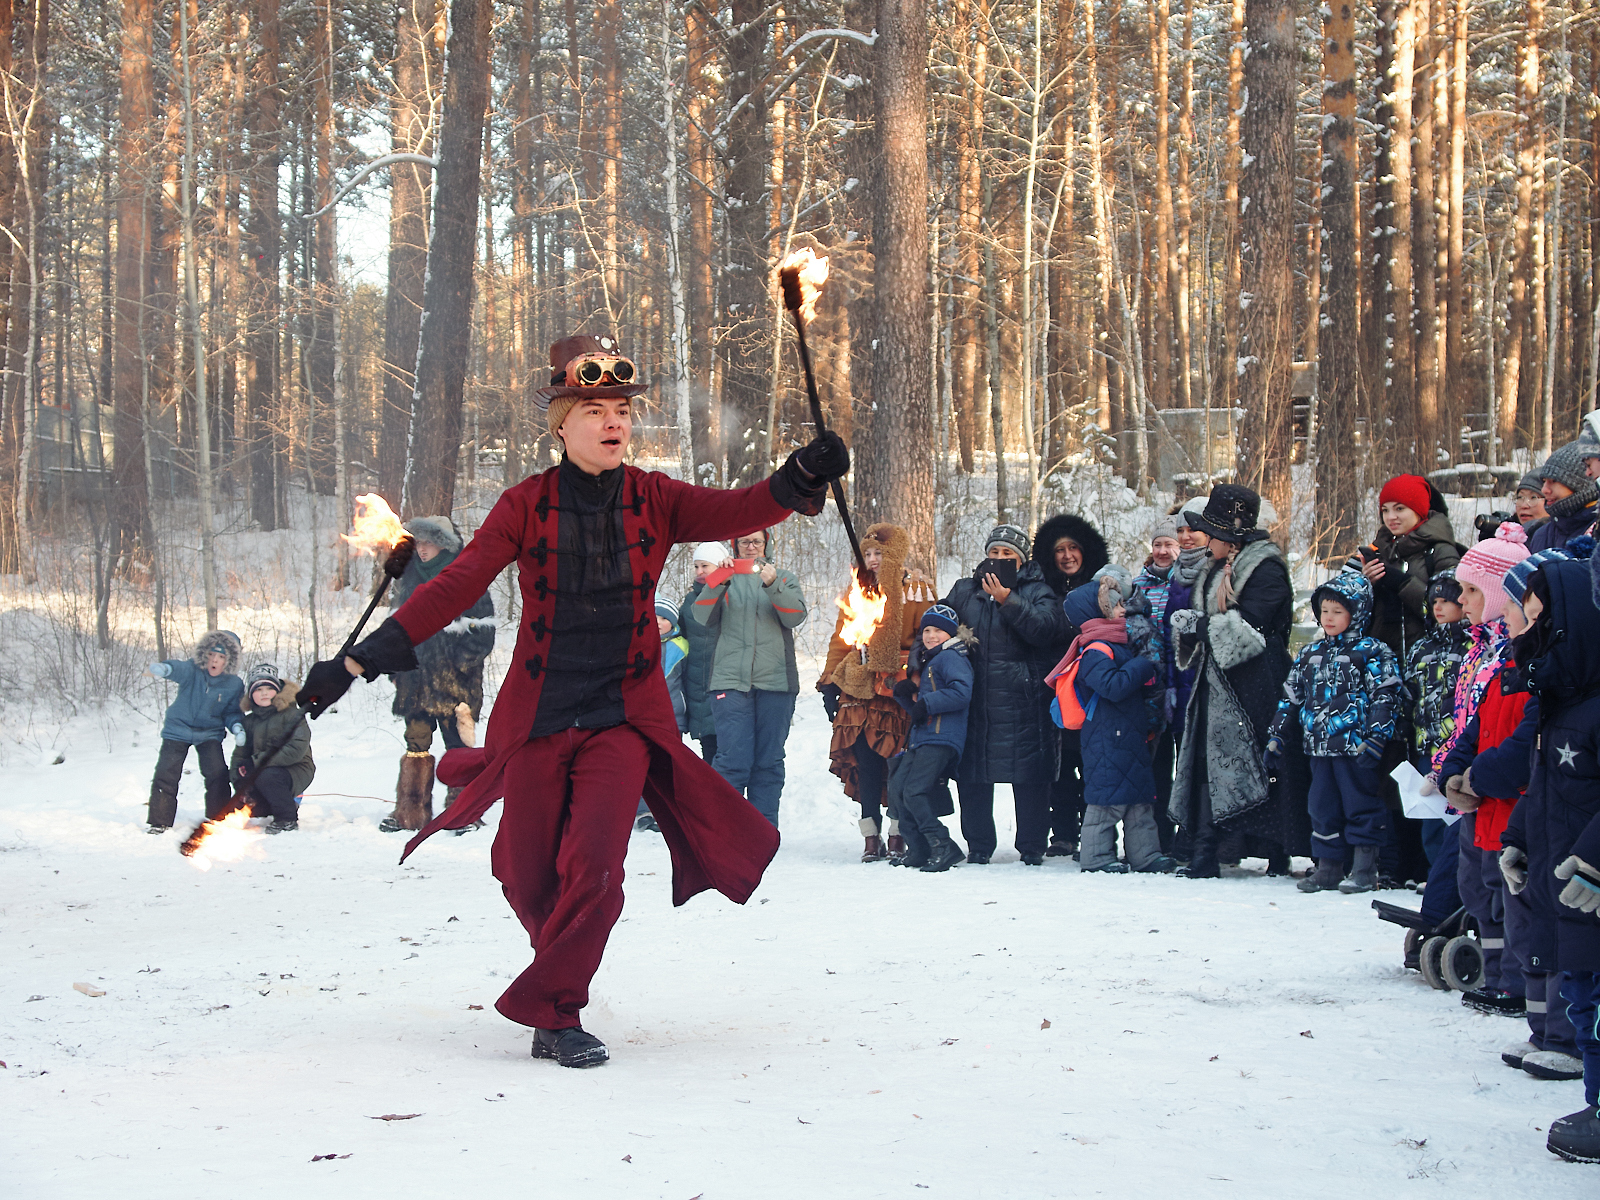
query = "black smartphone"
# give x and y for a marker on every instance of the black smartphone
(1004, 571)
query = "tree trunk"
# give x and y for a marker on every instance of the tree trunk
(969, 233)
(136, 190)
(1425, 242)
(264, 232)
(699, 70)
(446, 336)
(1266, 232)
(1231, 315)
(1399, 394)
(1529, 168)
(1164, 262)
(410, 190)
(1339, 343)
(1455, 271)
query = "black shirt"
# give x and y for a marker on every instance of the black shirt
(593, 622)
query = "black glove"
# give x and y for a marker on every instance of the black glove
(906, 691)
(1272, 757)
(830, 700)
(794, 491)
(325, 683)
(919, 713)
(387, 650)
(825, 456)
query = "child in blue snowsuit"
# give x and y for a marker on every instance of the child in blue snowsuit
(205, 708)
(1111, 687)
(936, 691)
(674, 663)
(1344, 690)
(1553, 854)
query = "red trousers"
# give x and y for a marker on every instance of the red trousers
(570, 800)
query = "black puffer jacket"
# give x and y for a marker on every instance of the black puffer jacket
(697, 669)
(450, 663)
(1010, 736)
(1400, 598)
(1095, 556)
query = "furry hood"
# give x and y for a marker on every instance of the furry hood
(215, 639)
(441, 531)
(280, 703)
(1069, 525)
(1353, 590)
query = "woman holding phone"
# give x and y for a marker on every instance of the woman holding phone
(1010, 737)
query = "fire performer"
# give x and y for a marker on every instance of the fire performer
(583, 724)
(879, 617)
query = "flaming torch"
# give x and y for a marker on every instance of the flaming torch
(863, 607)
(376, 529)
(801, 275)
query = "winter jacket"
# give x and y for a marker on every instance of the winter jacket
(944, 685)
(674, 664)
(1400, 598)
(283, 722)
(1558, 531)
(1560, 815)
(205, 704)
(755, 632)
(1095, 556)
(1111, 683)
(1241, 658)
(1010, 737)
(1432, 665)
(1344, 690)
(1487, 650)
(1155, 583)
(1181, 581)
(702, 641)
(1497, 745)
(450, 663)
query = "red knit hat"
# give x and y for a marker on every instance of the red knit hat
(1411, 490)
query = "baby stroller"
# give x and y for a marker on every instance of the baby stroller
(1448, 955)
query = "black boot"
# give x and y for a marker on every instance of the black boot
(1363, 875)
(570, 1047)
(942, 853)
(1576, 1137)
(1326, 878)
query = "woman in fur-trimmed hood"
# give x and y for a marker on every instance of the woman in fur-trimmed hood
(1235, 634)
(869, 728)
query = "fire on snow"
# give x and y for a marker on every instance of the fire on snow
(227, 839)
(377, 529)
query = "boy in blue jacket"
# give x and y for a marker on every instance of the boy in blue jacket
(206, 707)
(1111, 681)
(1553, 853)
(1345, 691)
(936, 691)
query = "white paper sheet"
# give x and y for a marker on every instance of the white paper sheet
(1413, 803)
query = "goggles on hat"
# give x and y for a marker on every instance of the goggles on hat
(599, 370)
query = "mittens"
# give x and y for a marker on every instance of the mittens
(1514, 868)
(1583, 885)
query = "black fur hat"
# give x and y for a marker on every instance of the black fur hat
(1230, 515)
(1069, 525)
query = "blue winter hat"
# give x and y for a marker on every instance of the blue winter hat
(1353, 590)
(1444, 586)
(666, 608)
(1521, 573)
(1082, 604)
(941, 616)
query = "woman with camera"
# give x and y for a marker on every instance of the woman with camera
(1019, 624)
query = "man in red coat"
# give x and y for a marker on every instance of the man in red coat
(583, 724)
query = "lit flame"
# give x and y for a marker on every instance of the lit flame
(811, 273)
(377, 529)
(863, 612)
(227, 839)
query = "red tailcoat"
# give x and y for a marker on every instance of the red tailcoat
(717, 839)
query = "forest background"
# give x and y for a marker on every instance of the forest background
(1097, 254)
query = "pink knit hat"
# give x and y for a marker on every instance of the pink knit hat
(1484, 566)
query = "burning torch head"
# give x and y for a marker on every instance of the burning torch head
(394, 565)
(801, 275)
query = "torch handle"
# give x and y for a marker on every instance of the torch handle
(372, 604)
(816, 418)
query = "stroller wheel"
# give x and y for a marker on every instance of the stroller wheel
(1430, 961)
(1412, 946)
(1462, 964)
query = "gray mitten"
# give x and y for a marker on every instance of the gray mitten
(1514, 867)
(1583, 885)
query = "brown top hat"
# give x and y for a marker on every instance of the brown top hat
(590, 368)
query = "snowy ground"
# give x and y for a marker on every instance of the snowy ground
(854, 1031)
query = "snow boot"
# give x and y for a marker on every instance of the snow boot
(875, 850)
(978, 860)
(1363, 875)
(1033, 860)
(158, 830)
(1110, 868)
(1325, 878)
(942, 853)
(897, 849)
(645, 822)
(570, 1047)
(1160, 865)
(413, 793)
(282, 826)
(1513, 1053)
(1576, 1137)
(473, 828)
(1496, 1002)
(1552, 1064)
(1060, 847)
(917, 854)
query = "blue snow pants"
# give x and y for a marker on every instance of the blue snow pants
(1483, 892)
(1582, 993)
(1346, 806)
